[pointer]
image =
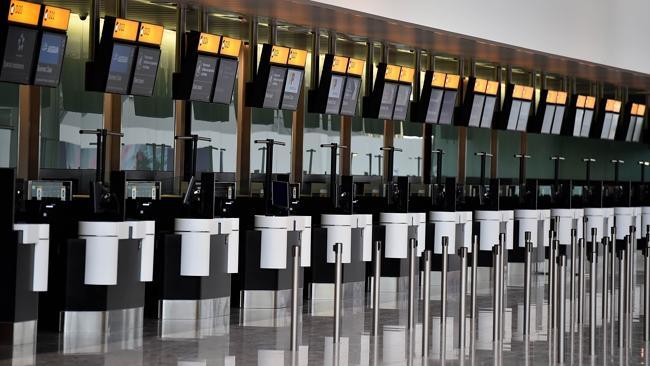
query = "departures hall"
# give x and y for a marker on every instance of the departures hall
(324, 182)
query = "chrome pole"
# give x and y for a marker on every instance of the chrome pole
(581, 281)
(475, 249)
(592, 293)
(338, 247)
(443, 285)
(528, 253)
(425, 306)
(295, 284)
(561, 302)
(646, 285)
(462, 252)
(413, 247)
(555, 244)
(502, 254)
(621, 288)
(376, 289)
(495, 295)
(572, 279)
(605, 278)
(612, 274)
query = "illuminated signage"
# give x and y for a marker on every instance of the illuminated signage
(613, 105)
(230, 47)
(150, 34)
(492, 88)
(590, 102)
(297, 57)
(452, 81)
(438, 80)
(580, 102)
(209, 43)
(355, 67)
(406, 75)
(551, 97)
(480, 85)
(279, 55)
(125, 29)
(56, 18)
(640, 110)
(340, 64)
(392, 72)
(24, 12)
(518, 92)
(561, 97)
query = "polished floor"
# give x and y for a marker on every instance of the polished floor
(261, 337)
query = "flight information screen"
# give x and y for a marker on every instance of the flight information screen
(19, 55)
(146, 68)
(119, 71)
(273, 93)
(402, 102)
(350, 96)
(50, 59)
(335, 94)
(204, 73)
(225, 81)
(292, 89)
(448, 105)
(387, 101)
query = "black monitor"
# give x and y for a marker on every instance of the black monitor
(401, 102)
(435, 102)
(273, 93)
(335, 94)
(203, 79)
(292, 89)
(18, 58)
(280, 194)
(146, 68)
(351, 96)
(558, 117)
(448, 105)
(488, 111)
(50, 59)
(476, 110)
(119, 71)
(387, 101)
(225, 83)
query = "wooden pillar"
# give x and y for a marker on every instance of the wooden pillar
(29, 122)
(297, 140)
(345, 139)
(462, 154)
(389, 140)
(243, 166)
(113, 123)
(494, 150)
(427, 148)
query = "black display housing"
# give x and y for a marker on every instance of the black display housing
(436, 105)
(550, 117)
(606, 123)
(337, 92)
(478, 109)
(381, 103)
(515, 113)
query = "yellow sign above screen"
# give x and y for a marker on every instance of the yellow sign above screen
(480, 85)
(528, 92)
(297, 57)
(438, 80)
(590, 102)
(24, 12)
(150, 34)
(641, 110)
(561, 97)
(580, 102)
(355, 67)
(209, 43)
(406, 75)
(56, 18)
(279, 55)
(551, 97)
(635, 109)
(230, 47)
(518, 92)
(125, 29)
(492, 88)
(392, 72)
(452, 81)
(340, 64)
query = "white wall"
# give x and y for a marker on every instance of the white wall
(606, 32)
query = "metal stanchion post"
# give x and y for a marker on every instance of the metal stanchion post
(605, 278)
(475, 249)
(412, 264)
(621, 288)
(462, 252)
(612, 274)
(495, 297)
(295, 284)
(561, 302)
(338, 247)
(502, 254)
(646, 285)
(572, 278)
(425, 308)
(581, 281)
(528, 254)
(551, 279)
(592, 293)
(443, 285)
(376, 289)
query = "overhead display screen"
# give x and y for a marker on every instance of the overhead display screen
(586, 122)
(204, 73)
(292, 89)
(50, 59)
(402, 102)
(557, 119)
(522, 122)
(225, 81)
(387, 101)
(513, 117)
(350, 96)
(435, 101)
(146, 67)
(335, 94)
(119, 71)
(274, 86)
(477, 108)
(547, 122)
(448, 104)
(488, 111)
(19, 55)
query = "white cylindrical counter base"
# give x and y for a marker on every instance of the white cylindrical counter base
(396, 245)
(273, 247)
(528, 220)
(195, 246)
(339, 230)
(102, 243)
(445, 225)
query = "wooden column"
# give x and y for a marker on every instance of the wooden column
(389, 140)
(297, 140)
(29, 128)
(494, 150)
(113, 123)
(243, 166)
(345, 139)
(462, 154)
(427, 148)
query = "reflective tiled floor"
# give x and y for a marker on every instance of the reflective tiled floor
(261, 337)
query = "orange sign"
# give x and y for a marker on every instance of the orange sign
(209, 43)
(635, 109)
(56, 18)
(580, 102)
(392, 72)
(518, 92)
(480, 85)
(355, 67)
(492, 88)
(24, 12)
(438, 80)
(528, 92)
(406, 75)
(590, 102)
(150, 33)
(452, 81)
(616, 107)
(297, 57)
(340, 64)
(125, 29)
(279, 55)
(561, 97)
(230, 47)
(641, 110)
(551, 97)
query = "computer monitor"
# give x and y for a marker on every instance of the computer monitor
(273, 93)
(50, 59)
(225, 83)
(119, 71)
(146, 68)
(18, 58)
(292, 89)
(203, 80)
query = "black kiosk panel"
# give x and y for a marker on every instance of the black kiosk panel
(119, 71)
(18, 59)
(50, 59)
(480, 103)
(223, 87)
(516, 107)
(338, 90)
(608, 122)
(146, 68)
